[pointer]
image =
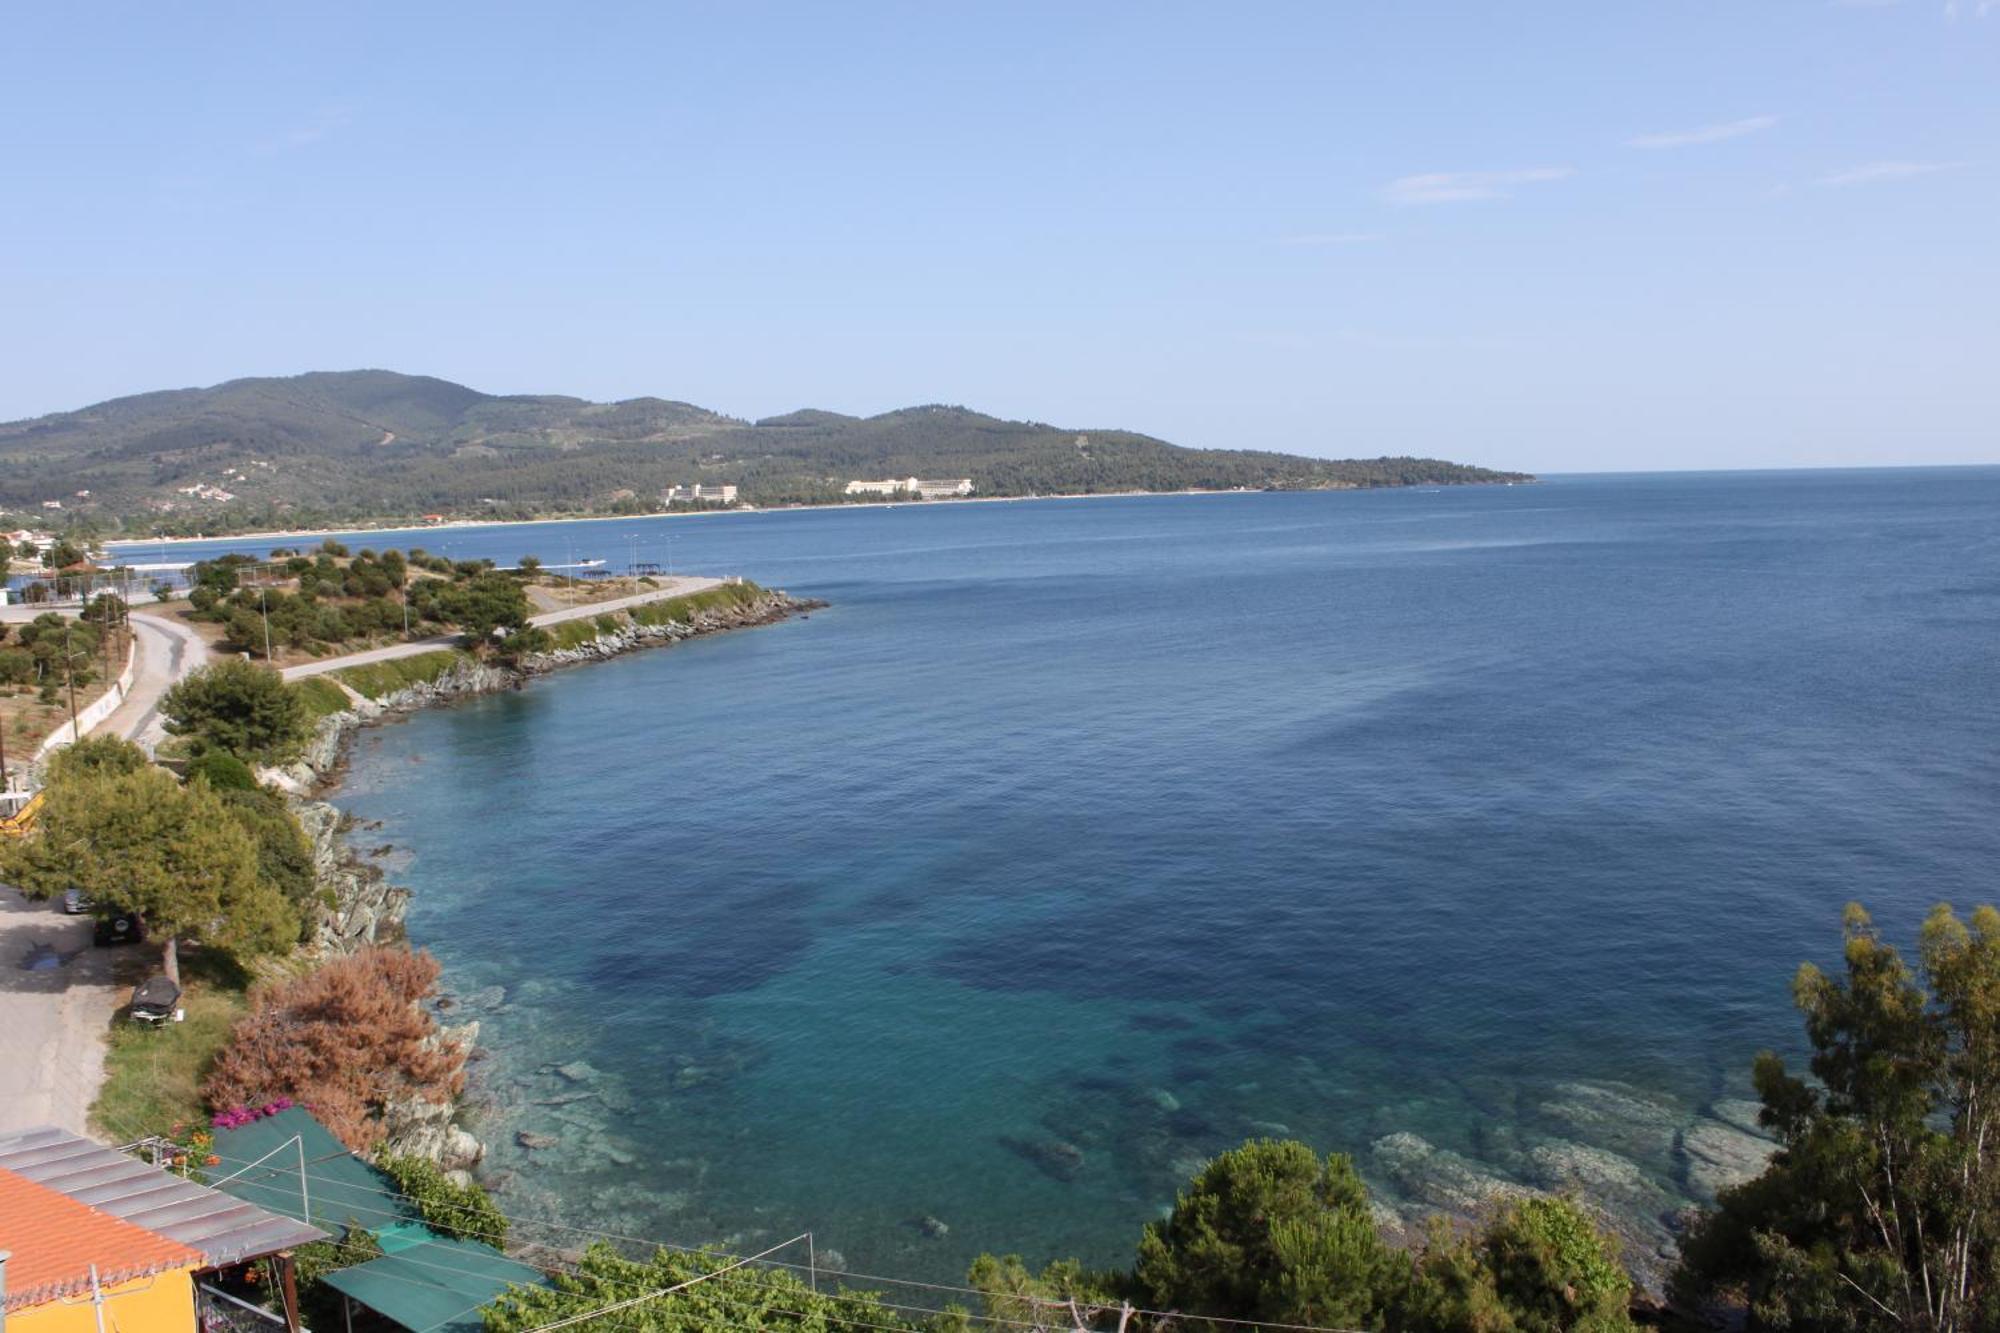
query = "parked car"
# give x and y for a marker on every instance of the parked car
(155, 1000)
(120, 928)
(76, 902)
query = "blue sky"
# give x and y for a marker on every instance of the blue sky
(1602, 235)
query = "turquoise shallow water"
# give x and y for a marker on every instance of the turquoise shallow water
(1474, 832)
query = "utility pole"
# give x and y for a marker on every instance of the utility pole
(264, 606)
(69, 672)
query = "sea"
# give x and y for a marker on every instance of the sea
(1474, 832)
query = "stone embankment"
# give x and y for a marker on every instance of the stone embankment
(360, 907)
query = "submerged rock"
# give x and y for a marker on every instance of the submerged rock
(1617, 1116)
(1442, 1179)
(1056, 1158)
(529, 1139)
(576, 1071)
(1739, 1113)
(1718, 1156)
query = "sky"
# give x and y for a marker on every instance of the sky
(1606, 235)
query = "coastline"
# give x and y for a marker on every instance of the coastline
(363, 908)
(740, 512)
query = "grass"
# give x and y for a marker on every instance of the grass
(323, 697)
(686, 608)
(153, 1076)
(378, 680)
(574, 633)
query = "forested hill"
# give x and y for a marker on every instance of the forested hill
(373, 444)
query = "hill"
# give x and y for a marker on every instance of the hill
(355, 446)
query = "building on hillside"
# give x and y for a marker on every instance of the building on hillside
(708, 495)
(917, 486)
(160, 1245)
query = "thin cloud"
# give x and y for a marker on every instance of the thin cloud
(1873, 173)
(1733, 129)
(1455, 187)
(1331, 238)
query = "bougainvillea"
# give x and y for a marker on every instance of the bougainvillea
(346, 1040)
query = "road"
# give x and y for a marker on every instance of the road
(57, 998)
(168, 650)
(57, 993)
(674, 587)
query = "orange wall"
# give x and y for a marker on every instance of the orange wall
(163, 1303)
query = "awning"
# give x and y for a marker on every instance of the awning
(260, 1164)
(434, 1286)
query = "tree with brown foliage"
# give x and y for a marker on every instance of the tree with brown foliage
(346, 1040)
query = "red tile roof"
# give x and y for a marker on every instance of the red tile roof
(54, 1240)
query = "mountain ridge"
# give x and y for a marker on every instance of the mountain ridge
(379, 444)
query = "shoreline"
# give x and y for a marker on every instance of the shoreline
(742, 512)
(365, 909)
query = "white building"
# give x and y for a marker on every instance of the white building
(712, 495)
(917, 486)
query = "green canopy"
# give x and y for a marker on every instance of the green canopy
(260, 1164)
(437, 1286)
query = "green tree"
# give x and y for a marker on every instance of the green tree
(1272, 1231)
(483, 604)
(444, 1204)
(222, 771)
(1881, 1209)
(140, 841)
(96, 754)
(247, 710)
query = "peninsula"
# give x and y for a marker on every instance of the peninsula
(374, 447)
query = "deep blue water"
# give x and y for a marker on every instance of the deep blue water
(1129, 828)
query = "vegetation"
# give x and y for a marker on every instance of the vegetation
(153, 1076)
(348, 1040)
(321, 697)
(311, 604)
(684, 609)
(140, 841)
(1878, 1212)
(444, 1204)
(379, 680)
(327, 448)
(752, 1298)
(240, 708)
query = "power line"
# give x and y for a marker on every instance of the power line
(664, 1291)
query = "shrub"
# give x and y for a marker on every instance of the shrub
(222, 771)
(233, 705)
(445, 1205)
(347, 1040)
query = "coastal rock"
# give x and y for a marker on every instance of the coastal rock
(1163, 1100)
(419, 1128)
(534, 1142)
(1718, 1156)
(1616, 1116)
(1438, 1177)
(1055, 1158)
(1739, 1113)
(576, 1071)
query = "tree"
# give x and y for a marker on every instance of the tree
(1539, 1266)
(62, 554)
(347, 1039)
(96, 754)
(1272, 1231)
(247, 710)
(1881, 1209)
(140, 841)
(484, 603)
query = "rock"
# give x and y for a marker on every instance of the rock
(486, 998)
(576, 1071)
(1580, 1167)
(930, 1227)
(1056, 1158)
(1162, 1099)
(1439, 1177)
(528, 1139)
(1718, 1156)
(1739, 1113)
(1271, 1129)
(1617, 1116)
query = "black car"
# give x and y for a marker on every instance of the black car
(120, 928)
(155, 1000)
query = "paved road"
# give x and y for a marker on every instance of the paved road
(57, 998)
(676, 587)
(168, 650)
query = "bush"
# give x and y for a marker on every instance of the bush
(222, 771)
(454, 1209)
(321, 696)
(236, 706)
(96, 754)
(379, 680)
(346, 1040)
